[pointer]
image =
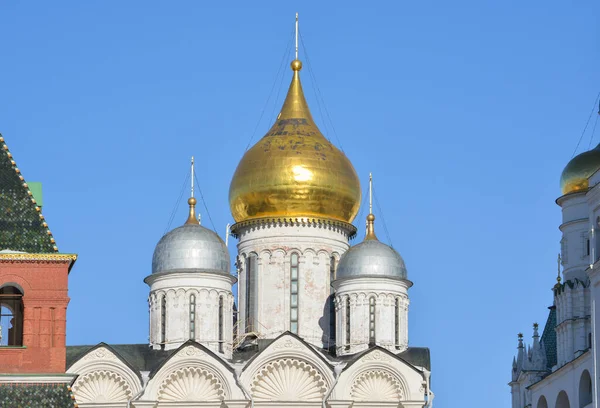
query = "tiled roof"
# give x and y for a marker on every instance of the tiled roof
(549, 338)
(22, 225)
(141, 357)
(24, 395)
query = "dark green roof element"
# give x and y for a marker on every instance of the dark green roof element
(22, 225)
(549, 338)
(27, 395)
(139, 357)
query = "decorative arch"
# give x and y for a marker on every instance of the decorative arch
(562, 400)
(379, 375)
(585, 389)
(287, 347)
(189, 361)
(191, 384)
(542, 403)
(11, 315)
(377, 385)
(13, 284)
(101, 386)
(102, 358)
(288, 380)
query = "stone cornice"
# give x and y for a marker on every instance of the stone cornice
(293, 221)
(38, 378)
(20, 257)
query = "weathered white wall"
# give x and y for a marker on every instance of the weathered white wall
(178, 288)
(359, 291)
(274, 244)
(287, 373)
(566, 379)
(575, 230)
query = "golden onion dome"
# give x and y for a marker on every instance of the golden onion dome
(294, 171)
(577, 172)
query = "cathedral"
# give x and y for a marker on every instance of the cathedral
(316, 322)
(560, 369)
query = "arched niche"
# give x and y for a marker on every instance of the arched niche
(562, 401)
(585, 389)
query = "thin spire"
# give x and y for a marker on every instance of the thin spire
(192, 171)
(370, 218)
(297, 36)
(558, 261)
(370, 193)
(192, 201)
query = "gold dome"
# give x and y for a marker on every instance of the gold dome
(293, 171)
(575, 175)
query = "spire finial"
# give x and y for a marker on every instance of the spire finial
(559, 262)
(192, 201)
(192, 177)
(296, 35)
(296, 63)
(370, 218)
(370, 193)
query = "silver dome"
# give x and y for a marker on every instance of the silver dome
(190, 248)
(371, 258)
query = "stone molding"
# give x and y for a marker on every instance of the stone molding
(288, 380)
(241, 228)
(191, 384)
(101, 359)
(101, 386)
(377, 385)
(26, 257)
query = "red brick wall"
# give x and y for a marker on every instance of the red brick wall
(45, 301)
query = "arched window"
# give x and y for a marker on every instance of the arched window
(372, 320)
(220, 324)
(331, 300)
(542, 403)
(163, 320)
(193, 317)
(251, 290)
(347, 323)
(562, 401)
(585, 389)
(397, 322)
(294, 293)
(11, 316)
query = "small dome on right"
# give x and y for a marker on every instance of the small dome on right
(575, 176)
(371, 258)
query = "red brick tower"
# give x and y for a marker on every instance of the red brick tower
(33, 279)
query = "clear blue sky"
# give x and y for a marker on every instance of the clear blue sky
(465, 112)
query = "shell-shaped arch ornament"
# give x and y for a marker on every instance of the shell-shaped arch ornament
(191, 384)
(288, 380)
(101, 386)
(376, 385)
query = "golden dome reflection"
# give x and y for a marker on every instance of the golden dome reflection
(294, 171)
(577, 172)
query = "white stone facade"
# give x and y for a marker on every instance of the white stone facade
(273, 367)
(191, 306)
(355, 300)
(289, 372)
(318, 247)
(571, 380)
